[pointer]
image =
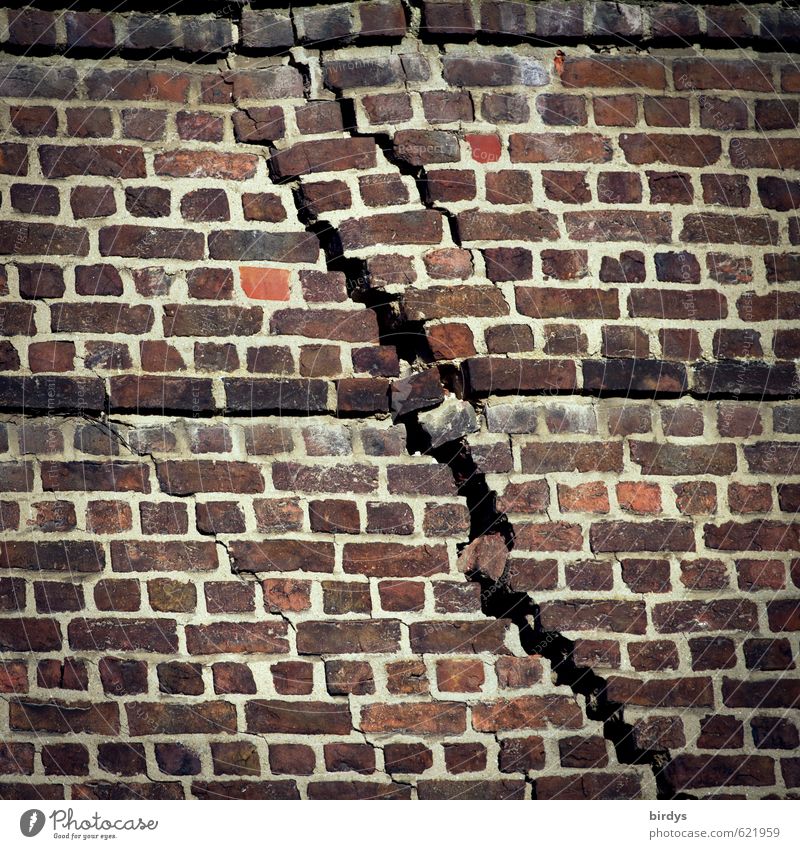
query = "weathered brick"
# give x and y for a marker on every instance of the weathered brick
(237, 638)
(693, 771)
(296, 717)
(64, 717)
(145, 718)
(277, 555)
(154, 635)
(149, 556)
(414, 718)
(661, 535)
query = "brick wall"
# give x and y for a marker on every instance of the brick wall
(399, 401)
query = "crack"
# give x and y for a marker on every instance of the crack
(498, 599)
(104, 426)
(286, 619)
(304, 69)
(642, 41)
(223, 545)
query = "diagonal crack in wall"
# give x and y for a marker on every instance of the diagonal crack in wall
(484, 555)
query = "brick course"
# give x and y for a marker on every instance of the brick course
(399, 401)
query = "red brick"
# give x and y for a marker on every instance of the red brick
(753, 536)
(275, 555)
(722, 74)
(13, 677)
(414, 718)
(128, 240)
(726, 615)
(687, 772)
(146, 718)
(297, 717)
(662, 692)
(558, 147)
(120, 161)
(776, 154)
(324, 155)
(618, 226)
(618, 110)
(182, 477)
(237, 637)
(154, 635)
(190, 556)
(32, 239)
(64, 717)
(407, 758)
(527, 712)
(542, 302)
(463, 637)
(343, 677)
(613, 72)
(205, 163)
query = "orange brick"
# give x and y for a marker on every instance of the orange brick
(583, 498)
(639, 497)
(485, 148)
(265, 284)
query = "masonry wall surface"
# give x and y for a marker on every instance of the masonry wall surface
(399, 400)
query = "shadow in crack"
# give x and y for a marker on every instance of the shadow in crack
(499, 601)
